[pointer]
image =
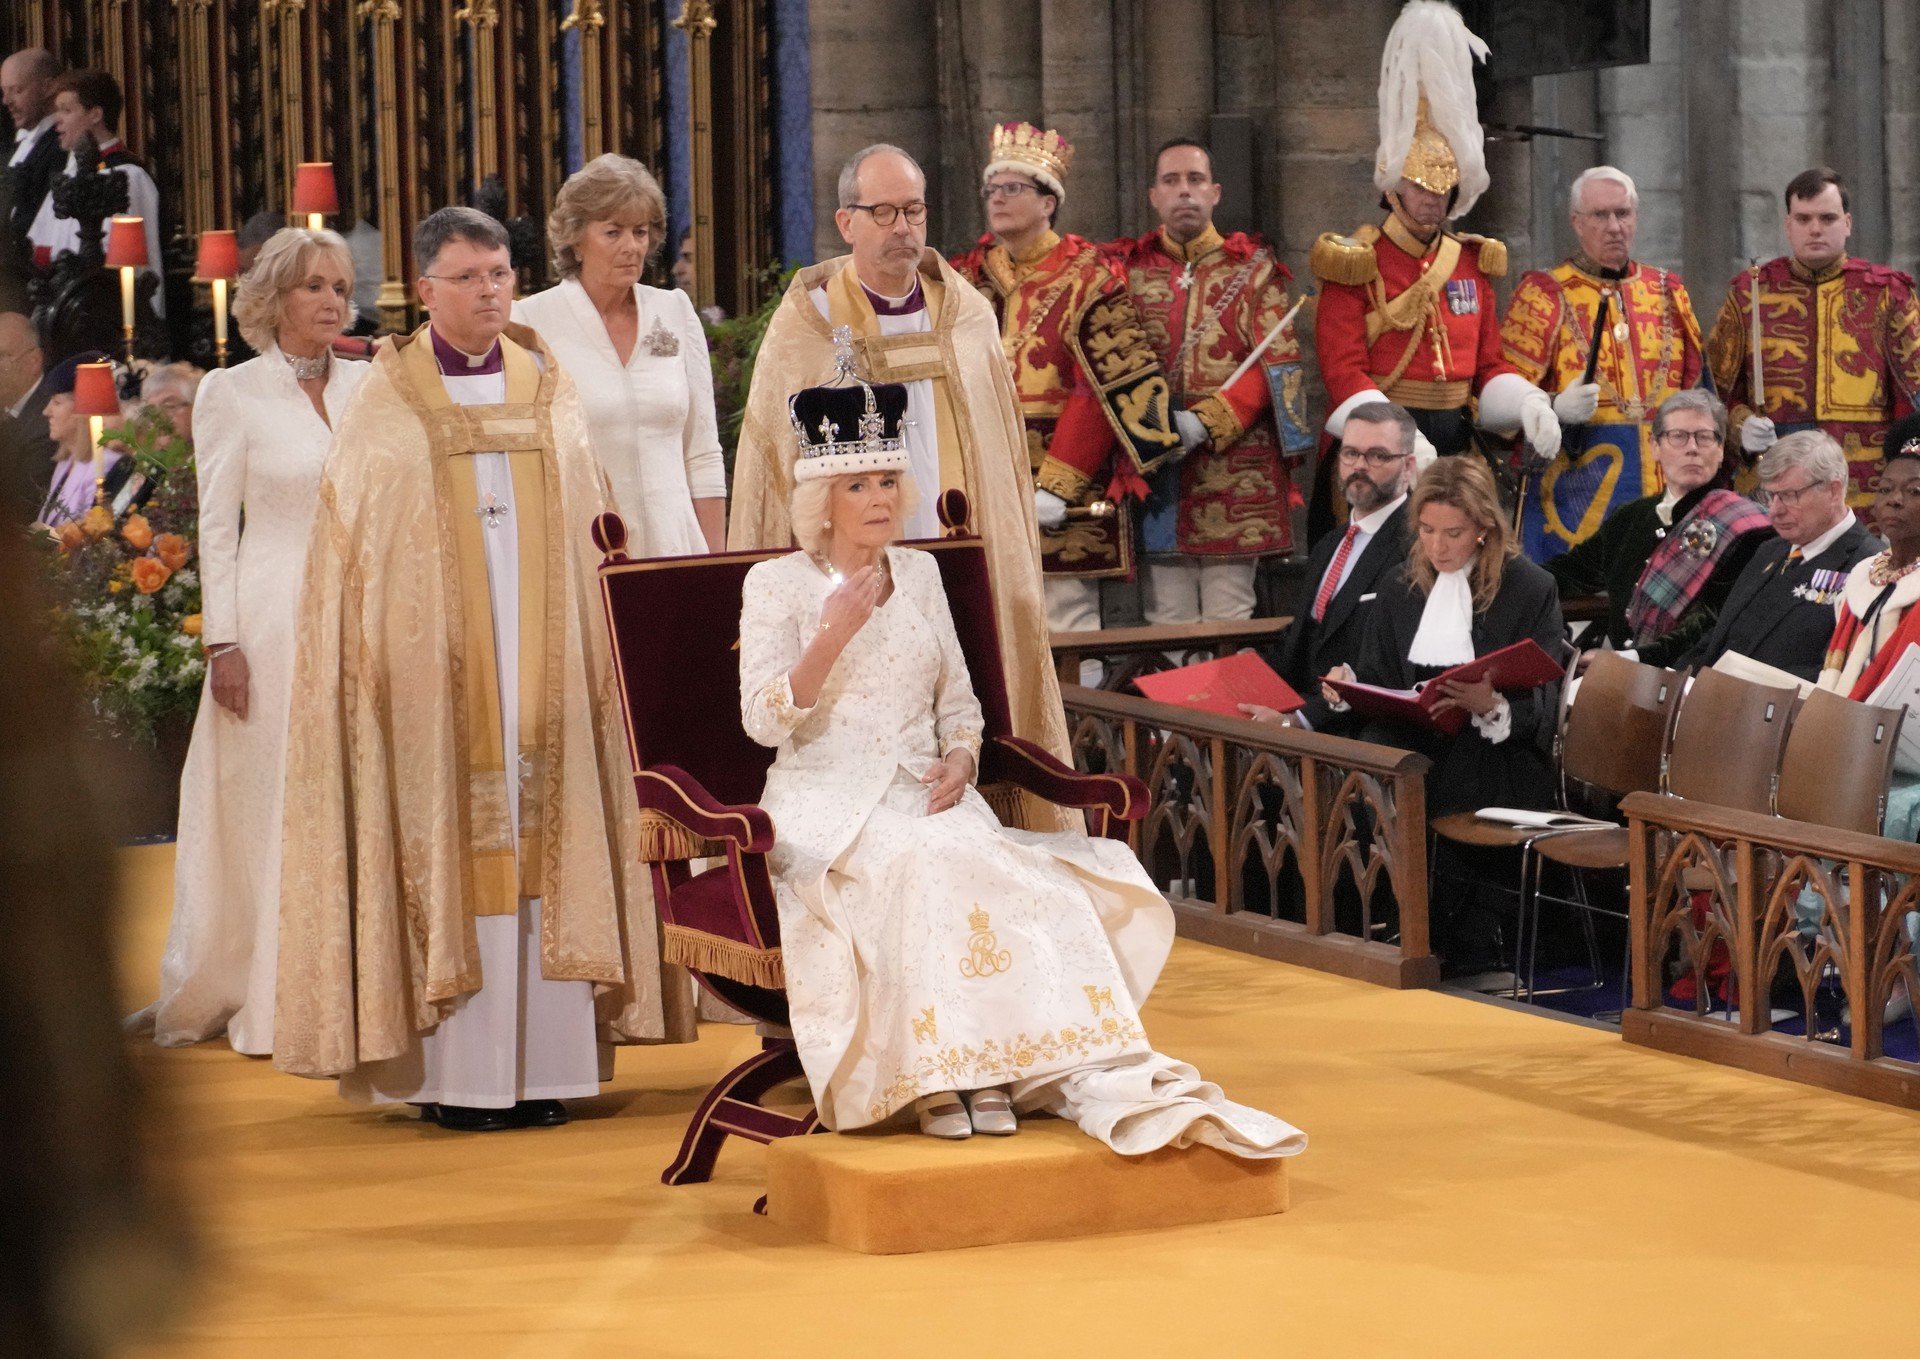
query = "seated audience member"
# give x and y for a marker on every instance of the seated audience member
(171, 388)
(87, 104)
(71, 490)
(1780, 611)
(1465, 591)
(26, 450)
(1345, 567)
(1666, 562)
(1877, 619)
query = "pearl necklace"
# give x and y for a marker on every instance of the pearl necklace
(307, 369)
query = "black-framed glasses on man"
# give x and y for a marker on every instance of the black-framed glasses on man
(1678, 439)
(886, 214)
(1372, 457)
(1013, 188)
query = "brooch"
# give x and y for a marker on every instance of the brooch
(661, 342)
(1701, 537)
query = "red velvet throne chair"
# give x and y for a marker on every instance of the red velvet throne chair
(675, 625)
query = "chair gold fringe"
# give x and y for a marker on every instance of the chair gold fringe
(727, 958)
(1008, 803)
(663, 840)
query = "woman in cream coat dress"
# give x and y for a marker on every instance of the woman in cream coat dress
(262, 431)
(639, 358)
(929, 951)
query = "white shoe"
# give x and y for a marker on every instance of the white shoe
(943, 1115)
(992, 1112)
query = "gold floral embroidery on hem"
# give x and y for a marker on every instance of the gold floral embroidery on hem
(985, 957)
(997, 1062)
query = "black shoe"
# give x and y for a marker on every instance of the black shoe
(539, 1113)
(459, 1118)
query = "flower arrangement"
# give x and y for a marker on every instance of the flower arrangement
(126, 597)
(733, 346)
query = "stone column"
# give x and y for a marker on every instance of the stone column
(1857, 124)
(1248, 55)
(1901, 40)
(1572, 104)
(1077, 75)
(990, 65)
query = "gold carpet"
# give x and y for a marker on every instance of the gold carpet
(1479, 1182)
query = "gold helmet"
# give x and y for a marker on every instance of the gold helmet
(1430, 129)
(1025, 148)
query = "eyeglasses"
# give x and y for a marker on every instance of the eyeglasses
(1373, 457)
(1677, 439)
(1604, 215)
(885, 214)
(1013, 188)
(1790, 497)
(473, 281)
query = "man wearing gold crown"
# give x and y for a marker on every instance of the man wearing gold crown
(1088, 381)
(1208, 301)
(1407, 311)
(1612, 339)
(1839, 339)
(911, 319)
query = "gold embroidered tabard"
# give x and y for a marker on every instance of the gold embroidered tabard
(520, 429)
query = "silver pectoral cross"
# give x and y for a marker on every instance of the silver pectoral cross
(492, 512)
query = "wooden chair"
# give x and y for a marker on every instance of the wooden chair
(1838, 763)
(675, 624)
(1727, 742)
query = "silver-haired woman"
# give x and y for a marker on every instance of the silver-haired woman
(639, 357)
(261, 433)
(935, 960)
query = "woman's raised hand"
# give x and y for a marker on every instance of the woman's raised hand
(850, 605)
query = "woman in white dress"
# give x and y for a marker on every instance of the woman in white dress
(931, 953)
(262, 431)
(639, 358)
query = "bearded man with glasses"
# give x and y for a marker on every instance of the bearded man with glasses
(1098, 408)
(1609, 339)
(463, 923)
(910, 318)
(1666, 562)
(1781, 610)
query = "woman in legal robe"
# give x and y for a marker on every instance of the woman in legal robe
(1465, 591)
(639, 357)
(934, 959)
(262, 430)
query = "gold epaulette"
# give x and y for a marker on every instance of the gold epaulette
(1492, 254)
(1345, 259)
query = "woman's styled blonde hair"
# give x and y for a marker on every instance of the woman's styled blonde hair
(607, 188)
(1464, 483)
(812, 501)
(282, 265)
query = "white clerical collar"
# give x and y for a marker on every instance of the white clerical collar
(1827, 539)
(1369, 524)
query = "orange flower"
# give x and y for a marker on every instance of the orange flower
(69, 536)
(97, 523)
(191, 625)
(172, 549)
(149, 574)
(138, 532)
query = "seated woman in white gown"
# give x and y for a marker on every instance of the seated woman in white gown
(931, 953)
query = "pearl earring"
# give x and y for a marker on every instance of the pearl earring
(826, 523)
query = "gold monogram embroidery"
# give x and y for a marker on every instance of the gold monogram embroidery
(924, 1028)
(1099, 996)
(987, 958)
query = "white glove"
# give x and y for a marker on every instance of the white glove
(1758, 435)
(1539, 424)
(1424, 453)
(1049, 509)
(1576, 405)
(1192, 432)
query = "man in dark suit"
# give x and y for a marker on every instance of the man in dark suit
(33, 158)
(1781, 609)
(26, 448)
(1345, 567)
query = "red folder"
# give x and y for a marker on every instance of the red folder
(1222, 686)
(1512, 668)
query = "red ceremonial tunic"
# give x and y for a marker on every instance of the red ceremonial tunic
(1205, 306)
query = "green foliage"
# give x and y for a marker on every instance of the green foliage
(732, 346)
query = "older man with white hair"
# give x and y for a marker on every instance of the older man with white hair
(1781, 609)
(1610, 338)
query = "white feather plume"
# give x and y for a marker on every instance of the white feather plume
(1430, 51)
